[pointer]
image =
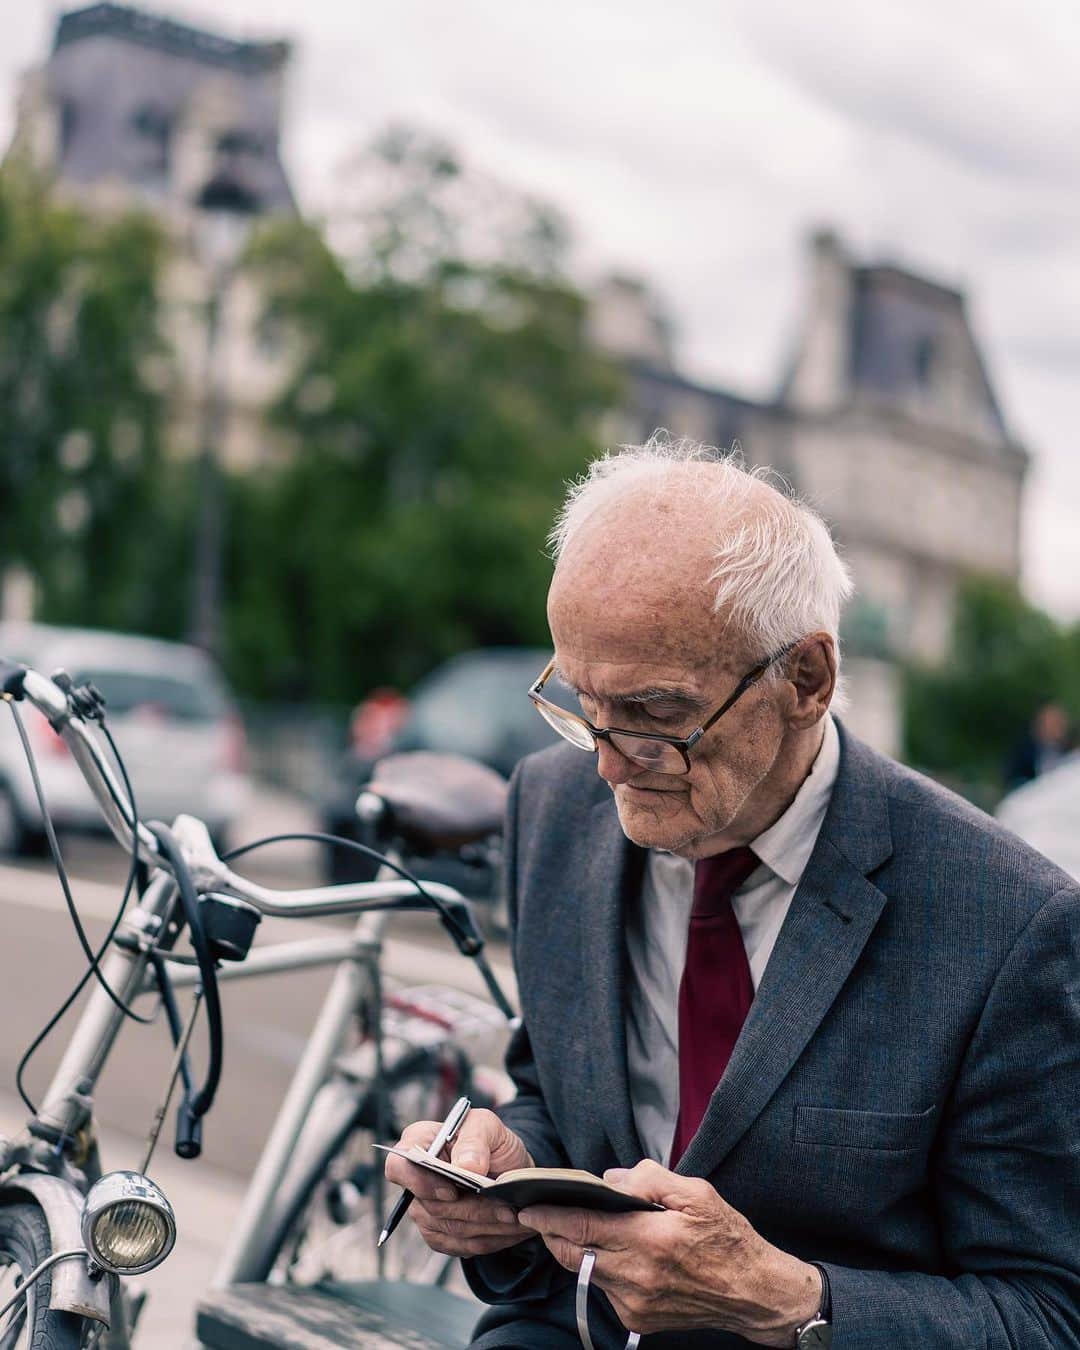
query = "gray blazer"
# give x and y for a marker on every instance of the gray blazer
(903, 1104)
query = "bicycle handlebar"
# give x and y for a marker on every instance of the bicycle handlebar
(208, 870)
(188, 855)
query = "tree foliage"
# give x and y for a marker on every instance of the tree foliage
(442, 388)
(1008, 658)
(82, 369)
(441, 397)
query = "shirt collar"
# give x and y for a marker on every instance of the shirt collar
(785, 847)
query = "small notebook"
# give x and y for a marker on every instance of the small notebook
(532, 1185)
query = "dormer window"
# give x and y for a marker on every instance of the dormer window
(925, 361)
(68, 121)
(237, 141)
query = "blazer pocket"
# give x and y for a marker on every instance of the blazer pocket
(887, 1131)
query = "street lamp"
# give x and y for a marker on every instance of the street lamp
(224, 212)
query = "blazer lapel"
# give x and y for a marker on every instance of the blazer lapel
(832, 915)
(612, 870)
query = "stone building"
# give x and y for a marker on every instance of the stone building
(887, 421)
(132, 109)
(885, 418)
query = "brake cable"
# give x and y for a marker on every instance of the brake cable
(197, 1106)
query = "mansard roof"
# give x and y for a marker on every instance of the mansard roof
(152, 30)
(877, 333)
(659, 391)
(900, 323)
(126, 83)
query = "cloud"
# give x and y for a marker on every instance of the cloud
(698, 143)
(957, 79)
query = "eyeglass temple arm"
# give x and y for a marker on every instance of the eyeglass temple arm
(542, 678)
(751, 677)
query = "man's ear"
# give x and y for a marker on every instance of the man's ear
(812, 672)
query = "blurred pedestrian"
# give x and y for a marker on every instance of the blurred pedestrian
(375, 722)
(1047, 739)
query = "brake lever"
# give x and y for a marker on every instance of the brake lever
(85, 700)
(461, 926)
(12, 675)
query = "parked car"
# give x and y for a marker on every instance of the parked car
(170, 712)
(475, 704)
(1046, 813)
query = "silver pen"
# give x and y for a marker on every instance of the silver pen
(447, 1134)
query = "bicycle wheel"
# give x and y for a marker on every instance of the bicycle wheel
(335, 1217)
(31, 1324)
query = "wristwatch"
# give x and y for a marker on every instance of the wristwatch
(814, 1335)
(817, 1333)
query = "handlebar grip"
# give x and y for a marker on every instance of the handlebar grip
(188, 1132)
(12, 676)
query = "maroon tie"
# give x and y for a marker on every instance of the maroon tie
(716, 989)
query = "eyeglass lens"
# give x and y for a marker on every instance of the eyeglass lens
(567, 727)
(655, 755)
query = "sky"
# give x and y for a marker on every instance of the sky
(697, 143)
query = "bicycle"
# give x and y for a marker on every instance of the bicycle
(70, 1233)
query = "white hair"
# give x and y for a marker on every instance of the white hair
(775, 567)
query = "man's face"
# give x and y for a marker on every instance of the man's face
(642, 649)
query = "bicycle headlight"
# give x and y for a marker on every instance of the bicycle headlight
(127, 1224)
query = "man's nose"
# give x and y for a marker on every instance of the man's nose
(612, 767)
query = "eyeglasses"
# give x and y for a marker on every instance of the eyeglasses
(659, 754)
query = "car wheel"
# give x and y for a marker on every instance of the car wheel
(16, 838)
(221, 839)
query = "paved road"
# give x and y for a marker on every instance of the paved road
(266, 1025)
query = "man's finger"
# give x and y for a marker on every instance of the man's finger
(466, 1228)
(582, 1227)
(651, 1181)
(424, 1185)
(450, 1245)
(568, 1254)
(469, 1208)
(472, 1147)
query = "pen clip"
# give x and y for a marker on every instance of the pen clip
(455, 1118)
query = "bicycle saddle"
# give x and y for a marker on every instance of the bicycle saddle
(440, 801)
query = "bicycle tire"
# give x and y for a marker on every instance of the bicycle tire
(313, 1240)
(33, 1325)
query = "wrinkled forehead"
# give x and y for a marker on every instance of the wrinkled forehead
(624, 597)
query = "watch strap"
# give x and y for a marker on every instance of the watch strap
(825, 1311)
(817, 1333)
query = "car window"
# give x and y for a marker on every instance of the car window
(480, 709)
(126, 690)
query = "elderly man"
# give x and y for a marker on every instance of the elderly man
(823, 1012)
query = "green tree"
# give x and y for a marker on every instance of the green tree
(81, 374)
(444, 390)
(1008, 657)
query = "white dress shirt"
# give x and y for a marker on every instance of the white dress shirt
(656, 935)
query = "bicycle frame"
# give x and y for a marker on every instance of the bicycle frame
(67, 1108)
(59, 1145)
(358, 976)
(67, 1104)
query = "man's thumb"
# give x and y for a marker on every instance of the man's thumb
(472, 1150)
(650, 1181)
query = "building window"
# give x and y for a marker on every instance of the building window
(154, 130)
(925, 361)
(68, 121)
(239, 142)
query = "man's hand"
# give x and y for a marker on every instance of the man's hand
(700, 1264)
(452, 1221)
